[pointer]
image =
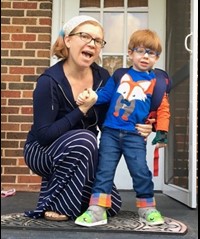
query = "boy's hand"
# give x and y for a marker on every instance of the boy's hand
(92, 95)
(82, 97)
(160, 145)
(160, 139)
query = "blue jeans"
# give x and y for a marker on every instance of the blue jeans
(113, 144)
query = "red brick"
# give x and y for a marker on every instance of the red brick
(8, 179)
(3, 101)
(9, 110)
(24, 21)
(21, 162)
(10, 77)
(23, 37)
(13, 153)
(25, 127)
(27, 94)
(9, 144)
(16, 170)
(10, 94)
(5, 4)
(43, 54)
(28, 179)
(10, 127)
(12, 29)
(10, 44)
(16, 135)
(25, 5)
(45, 21)
(5, 37)
(8, 161)
(27, 110)
(22, 70)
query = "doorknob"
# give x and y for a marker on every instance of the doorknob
(186, 41)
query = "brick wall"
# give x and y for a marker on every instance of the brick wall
(25, 53)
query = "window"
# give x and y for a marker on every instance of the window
(119, 18)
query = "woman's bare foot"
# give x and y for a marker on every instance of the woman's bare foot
(54, 216)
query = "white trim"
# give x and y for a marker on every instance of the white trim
(62, 11)
(193, 106)
(157, 9)
(180, 194)
(56, 20)
(160, 28)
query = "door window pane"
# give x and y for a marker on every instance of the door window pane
(114, 32)
(111, 63)
(137, 3)
(89, 3)
(113, 3)
(136, 21)
(96, 15)
(115, 29)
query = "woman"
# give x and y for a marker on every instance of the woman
(61, 146)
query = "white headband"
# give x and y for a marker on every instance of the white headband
(75, 21)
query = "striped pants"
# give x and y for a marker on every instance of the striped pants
(67, 168)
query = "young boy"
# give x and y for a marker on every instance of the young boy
(130, 101)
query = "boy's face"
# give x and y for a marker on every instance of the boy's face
(143, 59)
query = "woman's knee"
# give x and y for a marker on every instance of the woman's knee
(85, 139)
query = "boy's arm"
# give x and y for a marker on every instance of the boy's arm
(105, 93)
(162, 123)
(163, 114)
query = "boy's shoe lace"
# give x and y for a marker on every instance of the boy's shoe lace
(94, 216)
(150, 216)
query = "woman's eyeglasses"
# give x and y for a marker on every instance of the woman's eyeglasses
(142, 51)
(87, 38)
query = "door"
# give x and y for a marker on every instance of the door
(181, 155)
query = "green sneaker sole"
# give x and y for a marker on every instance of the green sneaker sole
(152, 217)
(87, 219)
(157, 223)
(85, 224)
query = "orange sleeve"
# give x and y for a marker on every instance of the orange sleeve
(163, 114)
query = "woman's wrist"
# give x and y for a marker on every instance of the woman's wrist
(84, 110)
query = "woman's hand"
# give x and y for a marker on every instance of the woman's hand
(82, 97)
(145, 129)
(87, 100)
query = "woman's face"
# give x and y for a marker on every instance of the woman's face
(82, 52)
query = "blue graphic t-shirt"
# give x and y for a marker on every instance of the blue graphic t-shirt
(130, 99)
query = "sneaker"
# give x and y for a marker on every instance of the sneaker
(150, 216)
(92, 217)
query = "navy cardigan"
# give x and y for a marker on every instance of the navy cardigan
(55, 110)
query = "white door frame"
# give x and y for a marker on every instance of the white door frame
(189, 196)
